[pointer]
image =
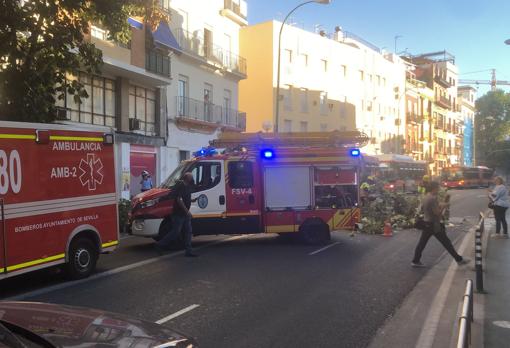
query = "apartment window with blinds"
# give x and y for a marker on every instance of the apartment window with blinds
(324, 103)
(343, 70)
(287, 125)
(287, 98)
(142, 106)
(324, 127)
(98, 108)
(303, 126)
(304, 99)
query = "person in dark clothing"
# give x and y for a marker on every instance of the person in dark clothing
(499, 198)
(432, 214)
(181, 216)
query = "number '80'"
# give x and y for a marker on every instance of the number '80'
(10, 172)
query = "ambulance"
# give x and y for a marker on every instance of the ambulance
(58, 201)
(294, 184)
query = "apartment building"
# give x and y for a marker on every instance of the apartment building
(419, 122)
(466, 99)
(206, 68)
(439, 72)
(328, 82)
(130, 97)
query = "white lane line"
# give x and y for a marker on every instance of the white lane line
(111, 272)
(176, 314)
(325, 248)
(428, 333)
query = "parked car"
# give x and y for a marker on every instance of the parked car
(31, 324)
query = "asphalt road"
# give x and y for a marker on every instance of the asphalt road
(258, 291)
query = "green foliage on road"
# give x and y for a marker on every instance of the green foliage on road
(492, 129)
(124, 207)
(43, 41)
(397, 208)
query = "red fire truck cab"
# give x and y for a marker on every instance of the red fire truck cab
(58, 201)
(303, 183)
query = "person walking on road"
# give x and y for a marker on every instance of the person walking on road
(499, 199)
(432, 215)
(181, 216)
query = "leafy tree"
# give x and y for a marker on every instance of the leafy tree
(43, 40)
(492, 130)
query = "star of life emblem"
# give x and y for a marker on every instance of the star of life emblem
(91, 171)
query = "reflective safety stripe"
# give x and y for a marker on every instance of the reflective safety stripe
(281, 228)
(109, 244)
(64, 138)
(35, 262)
(17, 136)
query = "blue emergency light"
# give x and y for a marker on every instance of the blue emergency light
(267, 154)
(205, 151)
(355, 152)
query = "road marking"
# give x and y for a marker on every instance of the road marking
(111, 272)
(325, 248)
(431, 323)
(176, 314)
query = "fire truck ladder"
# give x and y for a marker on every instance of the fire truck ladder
(234, 140)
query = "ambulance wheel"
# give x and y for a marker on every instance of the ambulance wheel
(314, 233)
(82, 258)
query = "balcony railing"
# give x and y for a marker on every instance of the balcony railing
(197, 110)
(442, 81)
(197, 46)
(443, 102)
(238, 7)
(412, 117)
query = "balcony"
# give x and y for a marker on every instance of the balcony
(413, 118)
(208, 114)
(443, 102)
(213, 55)
(442, 81)
(236, 11)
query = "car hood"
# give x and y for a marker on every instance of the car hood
(67, 326)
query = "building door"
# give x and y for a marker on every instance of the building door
(141, 158)
(208, 43)
(208, 102)
(182, 96)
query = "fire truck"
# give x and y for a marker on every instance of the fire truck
(304, 184)
(58, 201)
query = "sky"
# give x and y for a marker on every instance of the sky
(473, 31)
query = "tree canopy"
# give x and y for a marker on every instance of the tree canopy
(492, 130)
(43, 40)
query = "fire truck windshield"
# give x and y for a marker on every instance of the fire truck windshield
(176, 175)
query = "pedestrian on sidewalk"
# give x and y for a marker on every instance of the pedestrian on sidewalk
(433, 215)
(500, 203)
(181, 216)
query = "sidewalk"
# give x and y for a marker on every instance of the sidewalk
(497, 285)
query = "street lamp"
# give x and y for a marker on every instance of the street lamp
(277, 112)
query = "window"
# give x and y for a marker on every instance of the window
(287, 56)
(324, 127)
(164, 5)
(182, 96)
(324, 103)
(287, 126)
(98, 108)
(304, 59)
(287, 98)
(343, 70)
(384, 81)
(361, 75)
(206, 175)
(183, 155)
(378, 77)
(142, 106)
(240, 174)
(304, 99)
(303, 126)
(157, 63)
(324, 64)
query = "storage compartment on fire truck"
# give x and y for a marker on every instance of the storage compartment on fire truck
(335, 187)
(287, 187)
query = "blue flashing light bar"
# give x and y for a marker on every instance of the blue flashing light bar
(205, 151)
(355, 152)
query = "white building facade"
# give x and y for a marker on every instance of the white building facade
(206, 69)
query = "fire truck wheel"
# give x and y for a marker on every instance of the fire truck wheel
(314, 233)
(82, 258)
